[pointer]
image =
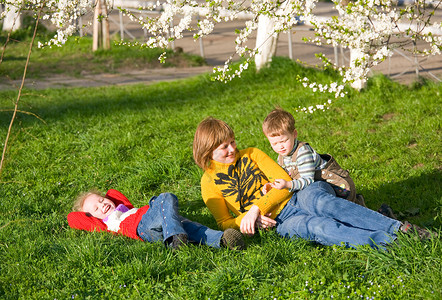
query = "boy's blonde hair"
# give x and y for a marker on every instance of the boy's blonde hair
(78, 204)
(209, 134)
(278, 122)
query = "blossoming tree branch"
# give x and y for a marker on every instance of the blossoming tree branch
(370, 29)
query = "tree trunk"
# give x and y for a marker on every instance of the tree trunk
(266, 41)
(100, 38)
(354, 55)
(360, 83)
(105, 26)
(12, 20)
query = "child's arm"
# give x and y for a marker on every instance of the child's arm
(306, 167)
(79, 220)
(118, 198)
(279, 184)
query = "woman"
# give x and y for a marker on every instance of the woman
(233, 182)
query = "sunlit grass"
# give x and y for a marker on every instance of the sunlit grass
(138, 139)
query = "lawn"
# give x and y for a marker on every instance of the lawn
(138, 139)
(76, 58)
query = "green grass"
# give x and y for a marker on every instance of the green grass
(76, 58)
(138, 139)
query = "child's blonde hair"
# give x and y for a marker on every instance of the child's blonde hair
(277, 122)
(209, 134)
(78, 204)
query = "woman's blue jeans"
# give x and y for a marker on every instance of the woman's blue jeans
(162, 221)
(316, 214)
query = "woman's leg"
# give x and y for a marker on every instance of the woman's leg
(161, 221)
(319, 199)
(294, 222)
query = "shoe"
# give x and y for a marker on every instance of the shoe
(387, 211)
(233, 239)
(423, 234)
(393, 246)
(178, 241)
(360, 200)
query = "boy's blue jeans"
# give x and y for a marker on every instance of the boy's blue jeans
(161, 221)
(316, 214)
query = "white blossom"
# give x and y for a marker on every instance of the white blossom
(371, 29)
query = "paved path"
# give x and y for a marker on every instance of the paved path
(220, 45)
(139, 76)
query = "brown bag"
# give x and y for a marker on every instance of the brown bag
(337, 177)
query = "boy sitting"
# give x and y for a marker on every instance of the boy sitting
(302, 162)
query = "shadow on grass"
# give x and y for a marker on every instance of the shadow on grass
(15, 58)
(108, 100)
(416, 199)
(199, 91)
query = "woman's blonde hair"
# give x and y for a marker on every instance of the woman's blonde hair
(209, 134)
(78, 204)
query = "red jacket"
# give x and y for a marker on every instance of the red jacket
(79, 220)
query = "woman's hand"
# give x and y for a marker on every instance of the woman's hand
(248, 222)
(266, 188)
(265, 222)
(281, 184)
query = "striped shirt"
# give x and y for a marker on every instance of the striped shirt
(307, 162)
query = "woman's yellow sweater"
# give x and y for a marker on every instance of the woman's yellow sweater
(237, 186)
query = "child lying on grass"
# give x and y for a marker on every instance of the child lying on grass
(154, 222)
